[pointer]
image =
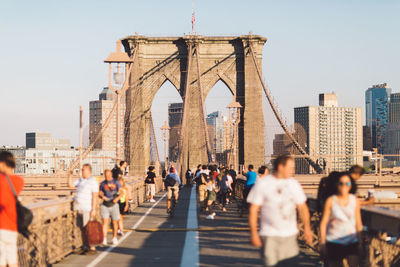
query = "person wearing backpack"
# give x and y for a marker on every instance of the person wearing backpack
(8, 210)
(172, 182)
(201, 184)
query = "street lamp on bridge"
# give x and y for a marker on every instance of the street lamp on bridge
(119, 73)
(234, 117)
(165, 134)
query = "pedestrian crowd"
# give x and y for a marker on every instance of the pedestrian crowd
(277, 200)
(111, 198)
(114, 196)
(215, 187)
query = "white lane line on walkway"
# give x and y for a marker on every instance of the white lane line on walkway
(111, 248)
(190, 255)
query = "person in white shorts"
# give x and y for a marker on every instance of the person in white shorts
(8, 213)
(277, 197)
(150, 184)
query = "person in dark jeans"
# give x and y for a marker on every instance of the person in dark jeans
(224, 189)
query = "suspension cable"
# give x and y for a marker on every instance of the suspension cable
(316, 167)
(107, 121)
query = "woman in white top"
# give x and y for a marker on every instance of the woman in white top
(341, 226)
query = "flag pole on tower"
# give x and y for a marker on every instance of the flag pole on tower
(193, 18)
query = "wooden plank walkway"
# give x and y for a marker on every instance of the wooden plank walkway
(165, 248)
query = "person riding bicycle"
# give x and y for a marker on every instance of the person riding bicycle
(172, 182)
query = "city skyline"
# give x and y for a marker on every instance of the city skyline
(63, 70)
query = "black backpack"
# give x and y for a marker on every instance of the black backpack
(169, 181)
(24, 215)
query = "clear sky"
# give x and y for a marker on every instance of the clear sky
(52, 52)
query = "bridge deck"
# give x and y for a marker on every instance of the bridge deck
(165, 248)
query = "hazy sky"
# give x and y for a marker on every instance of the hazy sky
(52, 52)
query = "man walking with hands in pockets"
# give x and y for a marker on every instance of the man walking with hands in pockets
(276, 198)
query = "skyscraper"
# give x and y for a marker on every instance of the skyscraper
(216, 119)
(332, 135)
(98, 113)
(392, 138)
(394, 108)
(175, 114)
(376, 113)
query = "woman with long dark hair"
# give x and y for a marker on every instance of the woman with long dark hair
(341, 225)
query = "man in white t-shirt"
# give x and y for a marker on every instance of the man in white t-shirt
(87, 190)
(276, 197)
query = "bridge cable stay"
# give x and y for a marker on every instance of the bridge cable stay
(311, 162)
(130, 113)
(202, 114)
(129, 116)
(106, 122)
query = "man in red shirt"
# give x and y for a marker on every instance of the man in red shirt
(8, 211)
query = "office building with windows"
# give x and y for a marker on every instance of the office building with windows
(392, 138)
(98, 113)
(175, 115)
(216, 120)
(377, 113)
(332, 135)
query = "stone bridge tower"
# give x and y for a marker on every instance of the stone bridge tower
(182, 60)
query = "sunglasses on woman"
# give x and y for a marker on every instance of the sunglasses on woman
(345, 183)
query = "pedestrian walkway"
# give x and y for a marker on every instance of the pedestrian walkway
(148, 246)
(232, 248)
